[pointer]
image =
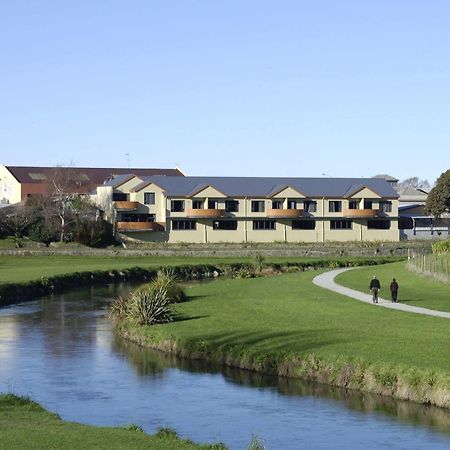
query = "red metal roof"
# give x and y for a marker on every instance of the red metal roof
(94, 175)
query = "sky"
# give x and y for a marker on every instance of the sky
(228, 88)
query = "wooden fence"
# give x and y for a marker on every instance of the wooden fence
(430, 264)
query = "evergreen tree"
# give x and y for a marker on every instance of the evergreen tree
(438, 200)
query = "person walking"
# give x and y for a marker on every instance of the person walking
(374, 287)
(393, 287)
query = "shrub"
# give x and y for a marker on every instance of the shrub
(259, 262)
(42, 232)
(150, 306)
(119, 308)
(93, 233)
(167, 279)
(441, 247)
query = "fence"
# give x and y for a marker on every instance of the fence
(430, 264)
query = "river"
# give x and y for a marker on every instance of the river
(61, 351)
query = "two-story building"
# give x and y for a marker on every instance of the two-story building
(250, 209)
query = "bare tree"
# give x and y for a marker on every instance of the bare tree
(415, 183)
(64, 199)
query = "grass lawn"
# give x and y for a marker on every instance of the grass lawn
(14, 269)
(286, 316)
(414, 289)
(25, 424)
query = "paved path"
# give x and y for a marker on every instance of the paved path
(326, 280)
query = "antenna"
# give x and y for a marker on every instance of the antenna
(128, 159)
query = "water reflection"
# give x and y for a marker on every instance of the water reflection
(151, 362)
(62, 351)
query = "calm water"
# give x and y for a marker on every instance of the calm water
(62, 352)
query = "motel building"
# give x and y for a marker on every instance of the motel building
(249, 209)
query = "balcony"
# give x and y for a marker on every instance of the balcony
(284, 213)
(360, 213)
(126, 206)
(205, 213)
(139, 226)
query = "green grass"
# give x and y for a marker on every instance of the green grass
(25, 424)
(287, 316)
(16, 269)
(414, 289)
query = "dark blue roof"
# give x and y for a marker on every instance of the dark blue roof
(266, 186)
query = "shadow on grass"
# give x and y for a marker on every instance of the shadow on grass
(275, 342)
(181, 318)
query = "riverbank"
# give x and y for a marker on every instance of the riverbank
(27, 277)
(286, 326)
(26, 424)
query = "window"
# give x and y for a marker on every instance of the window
(119, 197)
(184, 225)
(310, 206)
(341, 224)
(149, 198)
(128, 217)
(277, 204)
(353, 204)
(386, 207)
(212, 204)
(231, 206)
(225, 225)
(379, 224)
(292, 204)
(197, 204)
(405, 223)
(258, 206)
(368, 204)
(334, 206)
(37, 176)
(177, 206)
(303, 224)
(264, 225)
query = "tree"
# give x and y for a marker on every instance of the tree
(15, 220)
(64, 199)
(438, 200)
(415, 183)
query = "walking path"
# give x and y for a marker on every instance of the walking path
(326, 280)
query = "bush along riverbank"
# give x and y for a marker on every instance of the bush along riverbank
(267, 327)
(15, 292)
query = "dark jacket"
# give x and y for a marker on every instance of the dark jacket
(374, 283)
(394, 286)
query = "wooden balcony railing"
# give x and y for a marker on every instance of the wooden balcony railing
(139, 226)
(360, 213)
(126, 206)
(284, 213)
(205, 213)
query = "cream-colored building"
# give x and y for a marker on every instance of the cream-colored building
(250, 209)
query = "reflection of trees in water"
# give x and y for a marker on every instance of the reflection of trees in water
(152, 362)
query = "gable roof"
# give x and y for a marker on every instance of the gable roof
(280, 188)
(263, 187)
(354, 189)
(94, 175)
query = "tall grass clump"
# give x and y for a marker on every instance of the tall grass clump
(168, 280)
(440, 247)
(150, 306)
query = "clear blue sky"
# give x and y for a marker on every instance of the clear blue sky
(254, 88)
